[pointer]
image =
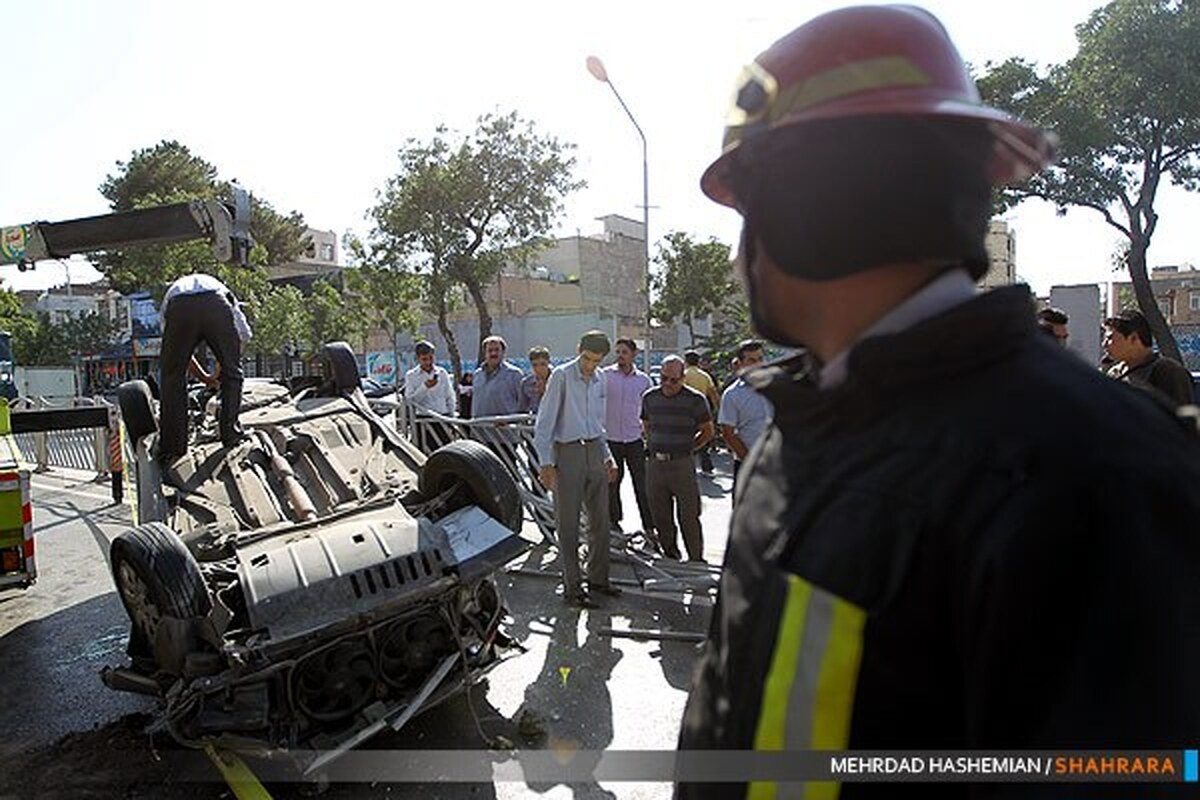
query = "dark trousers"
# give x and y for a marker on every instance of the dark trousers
(633, 455)
(191, 319)
(581, 481)
(737, 465)
(671, 486)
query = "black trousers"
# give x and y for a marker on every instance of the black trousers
(631, 455)
(191, 319)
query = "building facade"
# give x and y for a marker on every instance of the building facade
(1002, 255)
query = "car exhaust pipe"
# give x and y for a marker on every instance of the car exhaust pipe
(302, 505)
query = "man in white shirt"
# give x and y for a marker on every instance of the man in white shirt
(199, 308)
(427, 385)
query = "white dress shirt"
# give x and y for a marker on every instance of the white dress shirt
(438, 399)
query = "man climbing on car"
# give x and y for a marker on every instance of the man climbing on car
(199, 308)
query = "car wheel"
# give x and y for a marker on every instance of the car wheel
(485, 480)
(156, 576)
(340, 366)
(137, 409)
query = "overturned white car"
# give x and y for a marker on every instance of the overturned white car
(316, 583)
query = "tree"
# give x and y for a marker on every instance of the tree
(1126, 109)
(28, 340)
(390, 297)
(458, 211)
(332, 316)
(87, 334)
(280, 321)
(170, 173)
(696, 279)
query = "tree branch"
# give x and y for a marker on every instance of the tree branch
(1108, 217)
(1175, 156)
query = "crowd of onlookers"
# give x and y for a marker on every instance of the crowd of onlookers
(594, 424)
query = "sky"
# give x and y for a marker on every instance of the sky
(307, 104)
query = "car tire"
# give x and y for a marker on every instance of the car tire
(485, 480)
(137, 409)
(340, 366)
(155, 576)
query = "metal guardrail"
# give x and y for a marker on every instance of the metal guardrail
(81, 433)
(509, 437)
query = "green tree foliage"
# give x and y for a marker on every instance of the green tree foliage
(1126, 109)
(280, 321)
(391, 299)
(37, 341)
(333, 316)
(170, 173)
(696, 279)
(463, 206)
(26, 329)
(87, 334)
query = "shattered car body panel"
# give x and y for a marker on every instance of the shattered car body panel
(314, 583)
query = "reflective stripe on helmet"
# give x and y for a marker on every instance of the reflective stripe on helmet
(748, 116)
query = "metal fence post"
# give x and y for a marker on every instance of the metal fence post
(116, 454)
(41, 448)
(100, 448)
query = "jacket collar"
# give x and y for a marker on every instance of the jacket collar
(958, 341)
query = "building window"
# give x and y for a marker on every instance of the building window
(1164, 305)
(327, 251)
(1194, 301)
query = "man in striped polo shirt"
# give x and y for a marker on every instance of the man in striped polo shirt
(677, 423)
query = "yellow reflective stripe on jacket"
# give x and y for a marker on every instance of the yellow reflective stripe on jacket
(809, 693)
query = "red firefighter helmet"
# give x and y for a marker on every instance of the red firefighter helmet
(864, 61)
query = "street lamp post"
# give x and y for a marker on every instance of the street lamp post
(596, 67)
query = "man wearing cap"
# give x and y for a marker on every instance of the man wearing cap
(1128, 340)
(575, 463)
(910, 566)
(199, 308)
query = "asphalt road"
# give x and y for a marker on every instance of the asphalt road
(573, 690)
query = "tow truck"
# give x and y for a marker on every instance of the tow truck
(225, 223)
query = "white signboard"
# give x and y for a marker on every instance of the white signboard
(1082, 304)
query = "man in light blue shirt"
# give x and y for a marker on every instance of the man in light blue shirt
(745, 413)
(576, 464)
(497, 383)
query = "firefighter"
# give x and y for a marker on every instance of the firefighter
(954, 535)
(199, 308)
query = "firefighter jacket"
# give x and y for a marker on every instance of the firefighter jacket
(976, 541)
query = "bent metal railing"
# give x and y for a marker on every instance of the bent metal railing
(509, 437)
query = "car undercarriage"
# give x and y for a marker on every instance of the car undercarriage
(315, 583)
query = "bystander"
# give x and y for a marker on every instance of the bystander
(497, 383)
(576, 465)
(1127, 340)
(626, 384)
(677, 422)
(745, 413)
